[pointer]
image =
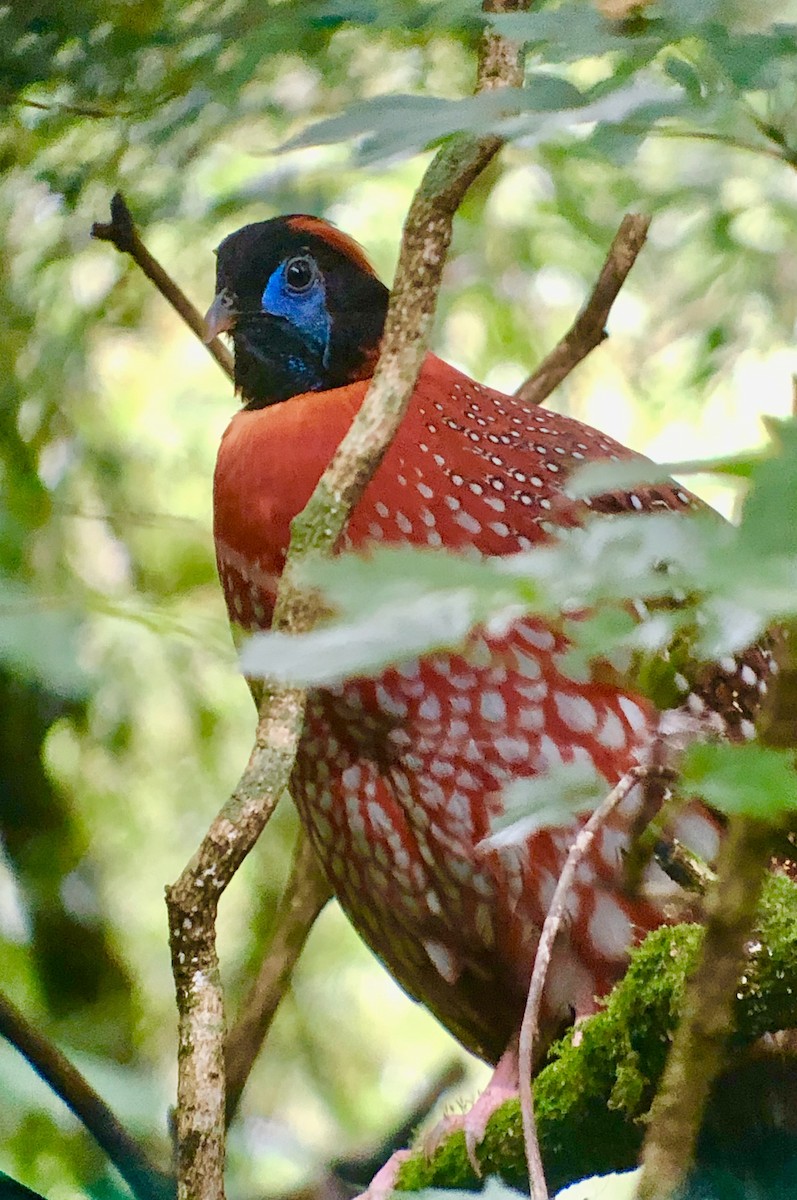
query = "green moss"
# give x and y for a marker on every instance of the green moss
(591, 1099)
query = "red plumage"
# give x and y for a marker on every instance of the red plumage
(397, 778)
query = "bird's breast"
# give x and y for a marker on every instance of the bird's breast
(269, 462)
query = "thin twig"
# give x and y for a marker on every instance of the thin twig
(703, 135)
(306, 893)
(529, 1029)
(66, 1081)
(122, 233)
(193, 900)
(589, 328)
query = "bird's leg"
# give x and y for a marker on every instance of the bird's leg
(503, 1085)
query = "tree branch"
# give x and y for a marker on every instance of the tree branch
(588, 330)
(122, 233)
(701, 1040)
(193, 900)
(144, 1181)
(192, 904)
(306, 893)
(530, 1026)
(699, 1047)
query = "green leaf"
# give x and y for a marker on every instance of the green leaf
(769, 516)
(750, 780)
(389, 127)
(606, 634)
(554, 798)
(570, 32)
(400, 14)
(393, 575)
(39, 642)
(364, 646)
(604, 476)
(685, 75)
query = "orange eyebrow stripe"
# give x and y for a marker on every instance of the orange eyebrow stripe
(334, 237)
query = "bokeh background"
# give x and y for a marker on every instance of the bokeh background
(123, 721)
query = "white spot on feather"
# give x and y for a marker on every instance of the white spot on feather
(448, 965)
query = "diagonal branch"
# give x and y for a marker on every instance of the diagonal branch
(589, 328)
(121, 232)
(529, 1029)
(306, 893)
(701, 1040)
(192, 901)
(144, 1181)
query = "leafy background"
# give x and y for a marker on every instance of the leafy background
(124, 722)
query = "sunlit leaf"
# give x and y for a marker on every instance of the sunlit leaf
(598, 477)
(751, 780)
(390, 576)
(554, 798)
(365, 646)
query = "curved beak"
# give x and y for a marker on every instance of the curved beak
(221, 315)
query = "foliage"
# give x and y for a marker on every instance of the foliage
(123, 725)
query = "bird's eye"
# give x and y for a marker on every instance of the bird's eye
(300, 273)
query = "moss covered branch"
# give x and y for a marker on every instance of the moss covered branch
(592, 1099)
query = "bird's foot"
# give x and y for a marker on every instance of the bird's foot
(383, 1183)
(503, 1085)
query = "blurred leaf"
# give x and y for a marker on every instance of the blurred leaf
(11, 1190)
(748, 780)
(572, 31)
(40, 644)
(598, 477)
(769, 516)
(402, 14)
(365, 646)
(360, 584)
(388, 127)
(554, 798)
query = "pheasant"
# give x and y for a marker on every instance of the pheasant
(398, 778)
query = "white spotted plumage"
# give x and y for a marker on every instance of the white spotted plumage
(398, 778)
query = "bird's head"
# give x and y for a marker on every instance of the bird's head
(303, 306)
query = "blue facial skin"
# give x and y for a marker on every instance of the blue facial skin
(305, 308)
